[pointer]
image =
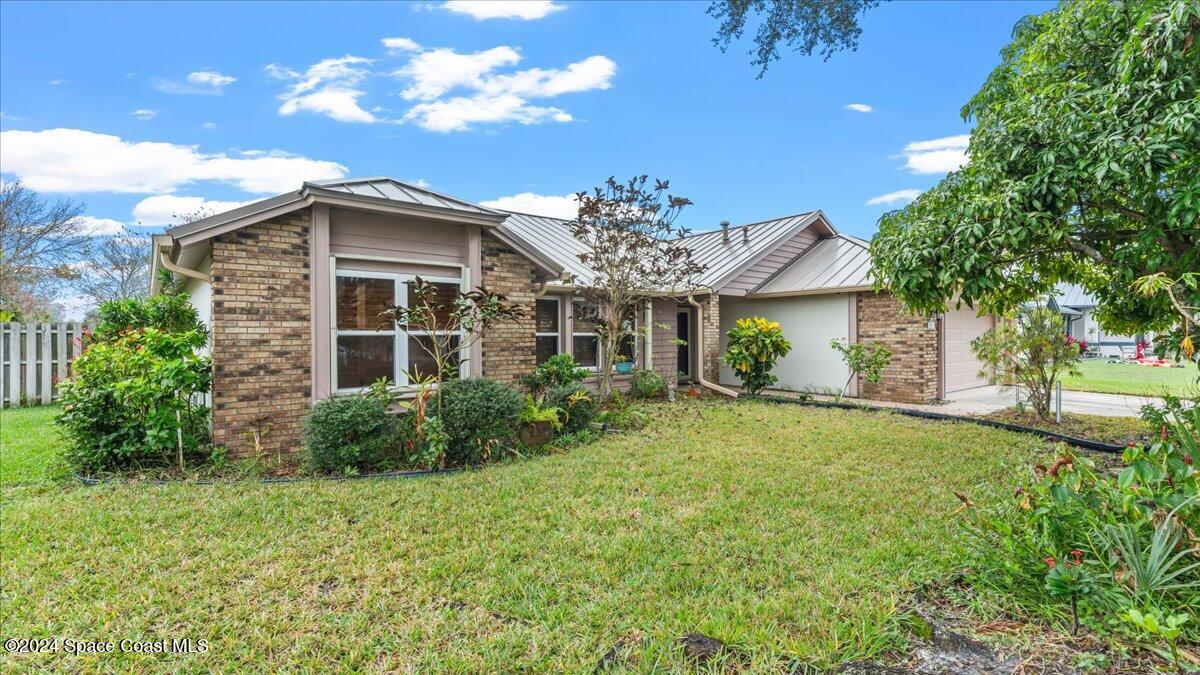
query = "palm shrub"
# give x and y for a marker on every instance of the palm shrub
(355, 433)
(136, 401)
(480, 416)
(755, 344)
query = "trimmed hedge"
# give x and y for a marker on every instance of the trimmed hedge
(481, 416)
(349, 432)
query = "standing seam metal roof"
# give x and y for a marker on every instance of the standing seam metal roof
(831, 264)
(388, 188)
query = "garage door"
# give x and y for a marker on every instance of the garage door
(961, 367)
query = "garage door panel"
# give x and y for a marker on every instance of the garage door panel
(961, 368)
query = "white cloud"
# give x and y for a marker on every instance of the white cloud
(99, 227)
(200, 82)
(210, 78)
(860, 107)
(328, 87)
(395, 45)
(420, 182)
(555, 206)
(491, 97)
(939, 155)
(59, 81)
(897, 197)
(437, 71)
(165, 209)
(459, 113)
(144, 114)
(209, 125)
(482, 10)
(75, 160)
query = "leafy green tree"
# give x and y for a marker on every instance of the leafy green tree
(755, 344)
(1084, 167)
(825, 26)
(862, 359)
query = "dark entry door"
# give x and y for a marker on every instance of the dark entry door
(683, 356)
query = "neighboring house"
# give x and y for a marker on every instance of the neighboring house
(1078, 309)
(290, 288)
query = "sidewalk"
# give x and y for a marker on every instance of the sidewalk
(983, 400)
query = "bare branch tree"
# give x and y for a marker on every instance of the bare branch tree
(635, 253)
(39, 240)
(119, 269)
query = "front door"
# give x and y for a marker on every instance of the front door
(683, 355)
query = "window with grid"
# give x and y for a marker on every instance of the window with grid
(363, 353)
(547, 333)
(585, 345)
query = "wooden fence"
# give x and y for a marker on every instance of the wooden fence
(34, 357)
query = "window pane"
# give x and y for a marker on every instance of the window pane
(361, 299)
(440, 300)
(585, 348)
(628, 346)
(362, 359)
(547, 346)
(421, 363)
(584, 316)
(547, 316)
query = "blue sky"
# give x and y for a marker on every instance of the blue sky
(143, 110)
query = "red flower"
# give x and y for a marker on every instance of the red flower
(1050, 561)
(1187, 458)
(1162, 433)
(1077, 555)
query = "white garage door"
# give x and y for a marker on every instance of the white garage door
(961, 367)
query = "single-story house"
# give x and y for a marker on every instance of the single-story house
(290, 287)
(1078, 308)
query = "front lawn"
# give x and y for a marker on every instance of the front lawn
(1108, 377)
(27, 442)
(1113, 430)
(789, 533)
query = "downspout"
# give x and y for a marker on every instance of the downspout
(700, 351)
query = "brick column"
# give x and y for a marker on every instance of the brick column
(509, 350)
(261, 333)
(712, 337)
(912, 375)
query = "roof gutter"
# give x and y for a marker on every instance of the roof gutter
(166, 250)
(700, 350)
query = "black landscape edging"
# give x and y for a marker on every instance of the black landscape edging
(390, 475)
(1085, 443)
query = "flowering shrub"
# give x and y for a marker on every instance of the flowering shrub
(1081, 344)
(136, 401)
(1130, 537)
(1032, 351)
(755, 344)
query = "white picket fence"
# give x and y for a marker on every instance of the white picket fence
(34, 357)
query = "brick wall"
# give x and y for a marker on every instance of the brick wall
(912, 375)
(261, 339)
(508, 349)
(712, 337)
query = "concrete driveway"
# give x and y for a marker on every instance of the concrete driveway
(988, 399)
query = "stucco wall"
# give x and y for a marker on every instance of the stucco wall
(809, 323)
(200, 296)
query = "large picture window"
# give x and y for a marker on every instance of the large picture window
(547, 333)
(363, 353)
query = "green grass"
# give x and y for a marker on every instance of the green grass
(787, 532)
(27, 440)
(1126, 378)
(1114, 430)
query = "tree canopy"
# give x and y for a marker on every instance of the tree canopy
(825, 26)
(1084, 167)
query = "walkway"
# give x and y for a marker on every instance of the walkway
(983, 400)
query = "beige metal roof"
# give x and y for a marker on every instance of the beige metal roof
(837, 264)
(552, 236)
(381, 187)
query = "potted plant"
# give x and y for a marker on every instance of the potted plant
(539, 421)
(622, 364)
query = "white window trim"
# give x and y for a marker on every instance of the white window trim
(558, 341)
(399, 337)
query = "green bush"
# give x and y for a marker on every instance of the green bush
(1081, 543)
(755, 344)
(349, 432)
(579, 403)
(556, 371)
(480, 415)
(647, 384)
(167, 313)
(133, 401)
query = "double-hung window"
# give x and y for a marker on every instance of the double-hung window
(585, 345)
(362, 352)
(547, 333)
